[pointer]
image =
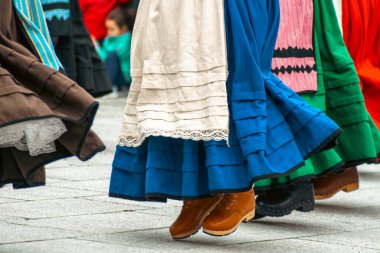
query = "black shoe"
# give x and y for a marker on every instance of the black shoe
(281, 202)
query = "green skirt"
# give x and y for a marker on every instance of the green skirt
(340, 96)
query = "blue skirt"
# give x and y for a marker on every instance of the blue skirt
(272, 129)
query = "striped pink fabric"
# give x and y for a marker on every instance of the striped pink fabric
(294, 58)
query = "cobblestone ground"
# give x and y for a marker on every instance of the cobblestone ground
(73, 213)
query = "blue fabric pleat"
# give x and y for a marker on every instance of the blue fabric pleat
(272, 129)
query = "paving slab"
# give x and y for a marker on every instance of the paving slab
(332, 217)
(286, 245)
(69, 245)
(368, 217)
(43, 193)
(50, 180)
(61, 208)
(8, 200)
(350, 201)
(149, 238)
(170, 211)
(104, 223)
(245, 234)
(101, 159)
(366, 239)
(13, 220)
(13, 233)
(100, 186)
(369, 176)
(106, 157)
(90, 172)
(64, 163)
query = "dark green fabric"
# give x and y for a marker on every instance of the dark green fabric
(340, 96)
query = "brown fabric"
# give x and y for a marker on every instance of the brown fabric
(29, 90)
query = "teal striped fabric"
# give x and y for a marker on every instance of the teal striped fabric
(33, 21)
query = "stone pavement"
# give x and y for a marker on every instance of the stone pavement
(73, 213)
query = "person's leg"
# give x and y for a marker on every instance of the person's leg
(113, 67)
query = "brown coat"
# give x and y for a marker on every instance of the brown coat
(29, 90)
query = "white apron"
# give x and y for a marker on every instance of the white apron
(179, 72)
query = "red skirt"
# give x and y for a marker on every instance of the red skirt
(361, 30)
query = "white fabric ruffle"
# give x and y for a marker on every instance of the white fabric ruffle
(35, 136)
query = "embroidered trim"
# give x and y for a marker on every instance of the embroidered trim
(289, 69)
(293, 52)
(195, 135)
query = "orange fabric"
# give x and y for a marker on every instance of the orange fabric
(361, 29)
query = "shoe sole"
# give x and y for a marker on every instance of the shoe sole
(246, 218)
(186, 235)
(193, 232)
(303, 206)
(346, 188)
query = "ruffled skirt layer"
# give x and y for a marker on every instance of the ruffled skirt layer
(77, 53)
(339, 95)
(184, 169)
(272, 130)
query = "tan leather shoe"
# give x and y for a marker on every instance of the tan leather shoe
(193, 213)
(327, 186)
(230, 213)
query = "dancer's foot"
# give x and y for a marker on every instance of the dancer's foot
(327, 186)
(234, 209)
(282, 202)
(192, 215)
